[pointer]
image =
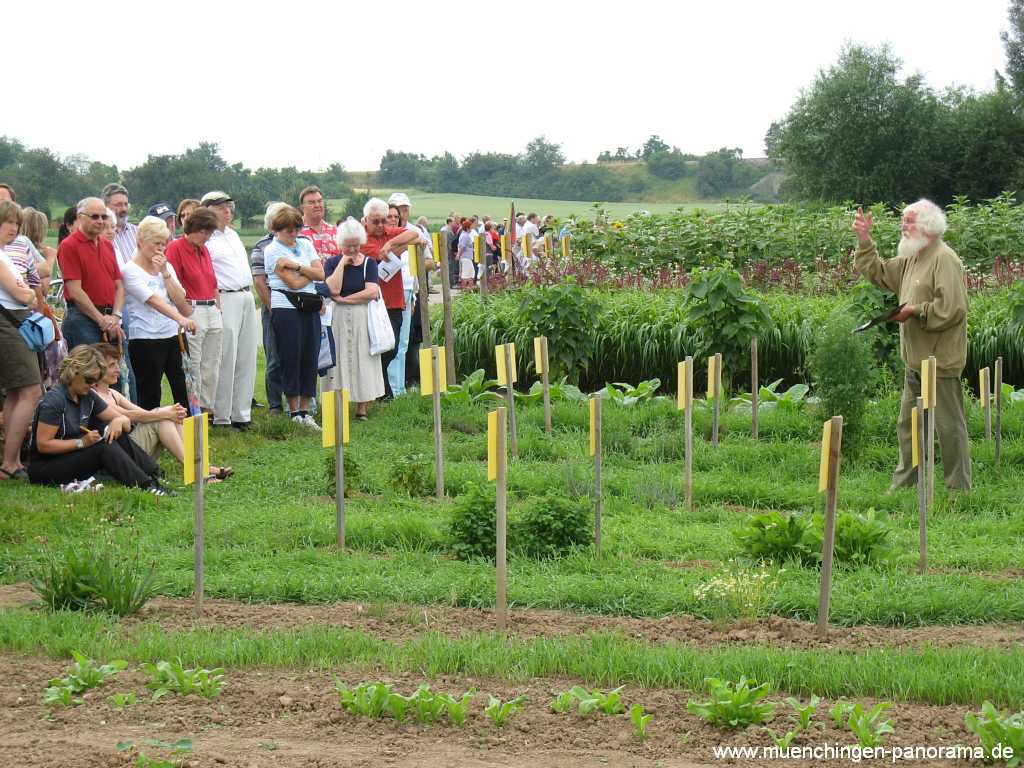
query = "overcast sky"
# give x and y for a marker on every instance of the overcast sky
(311, 83)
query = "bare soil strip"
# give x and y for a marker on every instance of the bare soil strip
(283, 718)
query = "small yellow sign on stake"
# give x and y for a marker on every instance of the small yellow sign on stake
(682, 401)
(549, 245)
(538, 355)
(427, 372)
(505, 249)
(565, 247)
(188, 438)
(593, 426)
(327, 408)
(414, 258)
(926, 384)
(712, 377)
(477, 247)
(915, 440)
(492, 445)
(499, 352)
(826, 450)
(439, 251)
(983, 386)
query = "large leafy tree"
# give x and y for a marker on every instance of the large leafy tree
(862, 133)
(1013, 43)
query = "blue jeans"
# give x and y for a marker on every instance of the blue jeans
(396, 370)
(273, 378)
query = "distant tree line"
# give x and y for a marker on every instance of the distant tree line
(863, 132)
(42, 178)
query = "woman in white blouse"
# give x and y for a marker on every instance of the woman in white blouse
(159, 311)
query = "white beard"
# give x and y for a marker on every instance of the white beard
(912, 245)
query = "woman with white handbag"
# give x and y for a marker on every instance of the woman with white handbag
(359, 320)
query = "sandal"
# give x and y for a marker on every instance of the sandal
(362, 417)
(19, 474)
(222, 473)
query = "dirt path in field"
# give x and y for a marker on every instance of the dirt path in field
(401, 622)
(281, 718)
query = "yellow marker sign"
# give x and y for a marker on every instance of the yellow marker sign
(492, 445)
(499, 352)
(926, 384)
(505, 248)
(527, 246)
(439, 252)
(427, 372)
(683, 397)
(915, 441)
(328, 436)
(983, 386)
(826, 450)
(538, 354)
(188, 438)
(414, 258)
(593, 426)
(478, 246)
(549, 245)
(712, 377)
(565, 246)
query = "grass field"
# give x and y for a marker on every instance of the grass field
(936, 643)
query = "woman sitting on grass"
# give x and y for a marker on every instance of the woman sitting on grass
(67, 443)
(151, 430)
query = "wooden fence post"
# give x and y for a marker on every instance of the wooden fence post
(507, 378)
(828, 481)
(595, 451)
(999, 410)
(540, 353)
(497, 470)
(917, 457)
(755, 387)
(440, 241)
(684, 402)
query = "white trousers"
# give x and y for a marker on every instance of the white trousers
(237, 378)
(204, 353)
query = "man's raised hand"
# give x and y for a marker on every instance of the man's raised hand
(862, 223)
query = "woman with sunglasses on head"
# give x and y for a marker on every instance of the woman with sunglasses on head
(75, 434)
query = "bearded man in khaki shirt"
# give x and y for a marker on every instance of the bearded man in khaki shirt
(928, 278)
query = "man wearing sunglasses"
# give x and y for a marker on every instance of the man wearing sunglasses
(92, 280)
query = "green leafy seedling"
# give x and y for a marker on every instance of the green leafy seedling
(172, 677)
(367, 699)
(783, 742)
(640, 721)
(398, 706)
(60, 695)
(83, 675)
(839, 711)
(994, 729)
(563, 702)
(500, 711)
(177, 750)
(121, 701)
(427, 706)
(457, 709)
(588, 702)
(868, 727)
(804, 713)
(733, 705)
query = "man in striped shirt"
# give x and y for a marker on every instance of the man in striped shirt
(116, 198)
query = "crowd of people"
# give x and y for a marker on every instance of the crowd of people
(173, 299)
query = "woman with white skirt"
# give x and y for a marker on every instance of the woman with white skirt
(467, 271)
(351, 284)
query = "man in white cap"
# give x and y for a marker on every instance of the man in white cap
(396, 370)
(232, 403)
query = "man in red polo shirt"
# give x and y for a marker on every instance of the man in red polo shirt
(191, 260)
(92, 279)
(380, 241)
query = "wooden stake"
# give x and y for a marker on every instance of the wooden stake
(435, 364)
(200, 522)
(595, 451)
(984, 394)
(931, 429)
(688, 429)
(339, 467)
(922, 489)
(999, 409)
(510, 399)
(754, 388)
(715, 387)
(480, 251)
(834, 433)
(545, 380)
(501, 498)
(441, 254)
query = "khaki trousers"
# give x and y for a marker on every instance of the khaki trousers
(950, 426)
(237, 377)
(204, 352)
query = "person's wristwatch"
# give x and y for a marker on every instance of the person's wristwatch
(79, 445)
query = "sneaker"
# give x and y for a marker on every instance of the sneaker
(158, 490)
(309, 421)
(242, 426)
